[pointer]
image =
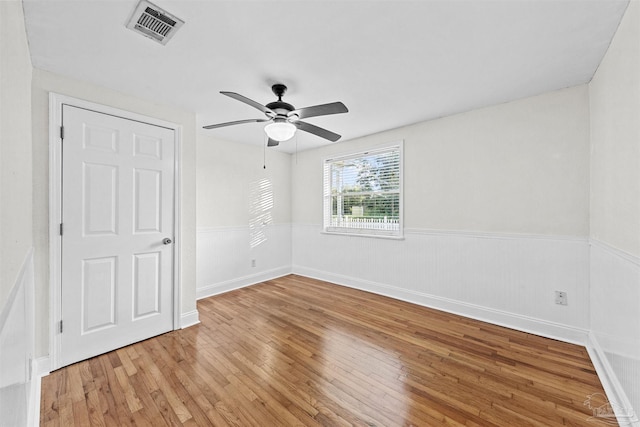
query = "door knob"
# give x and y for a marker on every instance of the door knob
(166, 241)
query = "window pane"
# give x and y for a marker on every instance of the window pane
(363, 191)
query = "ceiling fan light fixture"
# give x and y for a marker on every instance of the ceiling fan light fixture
(280, 131)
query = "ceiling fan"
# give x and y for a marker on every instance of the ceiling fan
(284, 118)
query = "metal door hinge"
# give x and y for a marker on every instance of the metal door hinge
(61, 132)
(61, 229)
(61, 326)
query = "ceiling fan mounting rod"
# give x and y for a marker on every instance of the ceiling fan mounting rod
(279, 89)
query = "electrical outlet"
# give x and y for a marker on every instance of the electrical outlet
(253, 263)
(561, 298)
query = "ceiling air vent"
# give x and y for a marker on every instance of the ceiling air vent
(153, 22)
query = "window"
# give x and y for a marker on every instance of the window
(363, 192)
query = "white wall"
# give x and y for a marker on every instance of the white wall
(44, 82)
(19, 400)
(228, 179)
(615, 133)
(496, 216)
(15, 145)
(615, 210)
(244, 214)
(519, 167)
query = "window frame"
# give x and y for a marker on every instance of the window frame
(327, 201)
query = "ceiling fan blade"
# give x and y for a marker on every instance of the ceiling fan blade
(251, 102)
(273, 143)
(319, 110)
(237, 122)
(322, 133)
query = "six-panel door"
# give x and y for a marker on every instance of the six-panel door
(117, 208)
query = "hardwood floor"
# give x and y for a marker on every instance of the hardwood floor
(301, 352)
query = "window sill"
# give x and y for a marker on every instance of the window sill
(359, 234)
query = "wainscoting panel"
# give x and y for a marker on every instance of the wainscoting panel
(504, 279)
(19, 389)
(225, 256)
(615, 324)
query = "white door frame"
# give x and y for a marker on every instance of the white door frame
(56, 101)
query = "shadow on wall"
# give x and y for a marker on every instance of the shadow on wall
(260, 206)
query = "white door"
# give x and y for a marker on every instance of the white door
(117, 249)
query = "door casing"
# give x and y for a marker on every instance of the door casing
(56, 101)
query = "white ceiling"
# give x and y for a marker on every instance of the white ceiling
(393, 63)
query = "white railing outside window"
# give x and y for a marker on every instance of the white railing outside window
(389, 224)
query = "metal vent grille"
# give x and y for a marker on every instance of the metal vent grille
(153, 22)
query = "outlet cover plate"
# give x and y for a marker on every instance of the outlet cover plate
(561, 298)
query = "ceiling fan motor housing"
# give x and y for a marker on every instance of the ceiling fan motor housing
(280, 107)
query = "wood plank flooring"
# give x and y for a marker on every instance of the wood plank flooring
(301, 352)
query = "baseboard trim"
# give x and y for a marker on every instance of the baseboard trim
(615, 392)
(41, 366)
(241, 282)
(33, 415)
(39, 369)
(518, 322)
(189, 318)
